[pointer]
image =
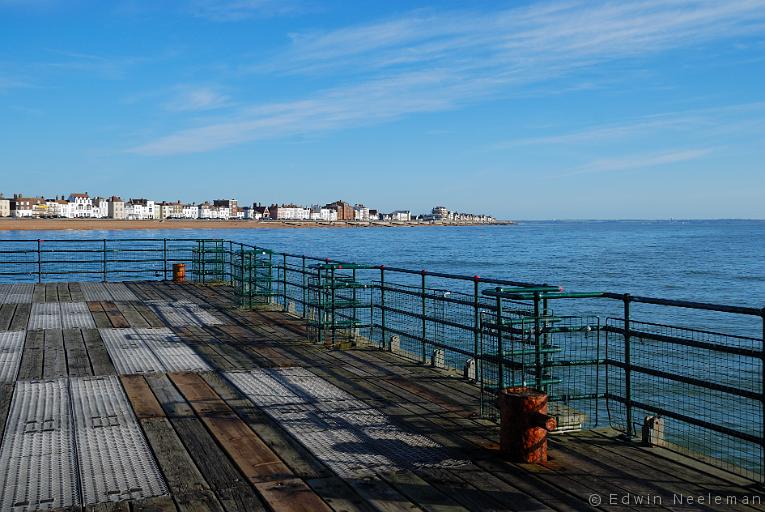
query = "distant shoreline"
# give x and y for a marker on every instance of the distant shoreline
(10, 224)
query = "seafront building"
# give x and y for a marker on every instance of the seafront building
(5, 206)
(81, 206)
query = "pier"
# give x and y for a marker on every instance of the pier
(277, 391)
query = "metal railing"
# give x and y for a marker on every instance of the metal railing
(685, 375)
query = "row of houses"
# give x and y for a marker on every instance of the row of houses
(81, 205)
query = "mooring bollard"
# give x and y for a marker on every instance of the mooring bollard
(524, 424)
(179, 272)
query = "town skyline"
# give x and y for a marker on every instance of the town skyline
(80, 205)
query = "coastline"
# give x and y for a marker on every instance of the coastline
(12, 224)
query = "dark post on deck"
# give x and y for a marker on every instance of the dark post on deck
(524, 424)
(627, 365)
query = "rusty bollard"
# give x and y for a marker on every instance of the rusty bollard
(524, 424)
(179, 272)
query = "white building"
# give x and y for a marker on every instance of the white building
(325, 214)
(290, 212)
(81, 206)
(5, 207)
(101, 208)
(140, 209)
(208, 211)
(190, 211)
(401, 215)
(360, 212)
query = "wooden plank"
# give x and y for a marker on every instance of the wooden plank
(54, 355)
(38, 293)
(249, 452)
(198, 501)
(179, 470)
(97, 353)
(6, 394)
(421, 492)
(6, 316)
(216, 467)
(116, 318)
(381, 496)
(156, 504)
(75, 292)
(145, 404)
(31, 366)
(134, 318)
(62, 290)
(473, 497)
(99, 315)
(291, 495)
(295, 455)
(150, 316)
(338, 494)
(77, 360)
(115, 506)
(21, 317)
(51, 292)
(172, 402)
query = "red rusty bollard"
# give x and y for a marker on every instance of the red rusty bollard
(179, 272)
(524, 424)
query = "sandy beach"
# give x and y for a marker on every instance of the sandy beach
(9, 224)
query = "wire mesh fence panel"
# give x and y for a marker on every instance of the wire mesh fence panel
(693, 391)
(560, 355)
(338, 306)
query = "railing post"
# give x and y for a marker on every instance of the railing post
(303, 305)
(500, 348)
(476, 321)
(382, 306)
(39, 261)
(249, 277)
(104, 259)
(537, 343)
(203, 261)
(424, 322)
(284, 281)
(164, 258)
(627, 365)
(241, 269)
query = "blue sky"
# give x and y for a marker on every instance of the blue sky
(573, 109)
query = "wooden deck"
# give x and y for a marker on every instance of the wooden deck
(217, 450)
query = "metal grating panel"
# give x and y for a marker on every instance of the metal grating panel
(182, 313)
(174, 355)
(76, 315)
(37, 461)
(129, 354)
(18, 293)
(115, 460)
(11, 348)
(348, 435)
(107, 292)
(45, 315)
(150, 350)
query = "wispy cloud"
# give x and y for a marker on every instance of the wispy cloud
(641, 161)
(194, 99)
(707, 122)
(109, 67)
(237, 10)
(432, 61)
